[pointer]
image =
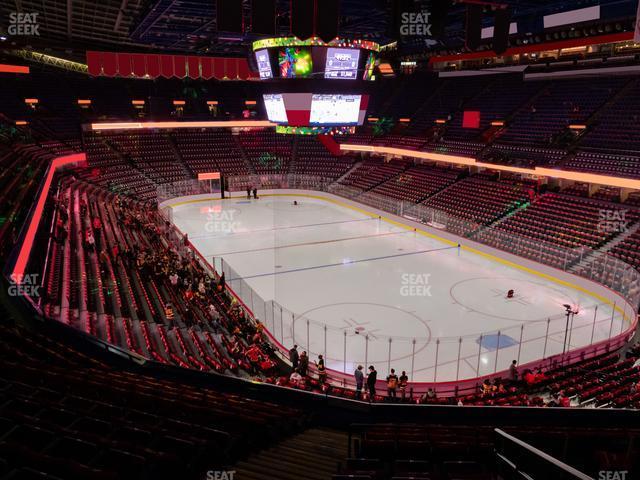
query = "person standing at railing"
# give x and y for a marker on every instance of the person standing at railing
(513, 372)
(294, 357)
(303, 365)
(392, 385)
(359, 376)
(372, 378)
(322, 371)
(404, 381)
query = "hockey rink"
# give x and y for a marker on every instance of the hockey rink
(341, 282)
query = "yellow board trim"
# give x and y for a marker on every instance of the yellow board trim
(489, 256)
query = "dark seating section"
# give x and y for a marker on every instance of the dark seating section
(497, 101)
(93, 286)
(206, 151)
(559, 105)
(556, 229)
(615, 129)
(108, 168)
(605, 164)
(371, 173)
(268, 152)
(22, 168)
(520, 156)
(313, 158)
(81, 418)
(444, 452)
(473, 202)
(448, 97)
(417, 183)
(456, 147)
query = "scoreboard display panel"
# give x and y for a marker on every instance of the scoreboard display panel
(292, 58)
(342, 63)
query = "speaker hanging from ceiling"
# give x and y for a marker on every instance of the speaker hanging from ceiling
(229, 16)
(327, 16)
(303, 15)
(439, 13)
(263, 17)
(474, 25)
(501, 30)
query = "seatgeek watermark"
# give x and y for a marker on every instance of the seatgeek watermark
(220, 475)
(221, 221)
(613, 475)
(415, 285)
(415, 24)
(23, 24)
(612, 221)
(24, 286)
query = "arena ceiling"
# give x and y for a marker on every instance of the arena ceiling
(190, 25)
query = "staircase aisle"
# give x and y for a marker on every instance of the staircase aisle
(311, 455)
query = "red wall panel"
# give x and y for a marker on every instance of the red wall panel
(471, 119)
(180, 66)
(231, 68)
(109, 64)
(166, 66)
(94, 63)
(194, 67)
(124, 64)
(218, 68)
(207, 67)
(243, 69)
(139, 65)
(153, 65)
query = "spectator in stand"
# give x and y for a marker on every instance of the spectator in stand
(103, 259)
(404, 381)
(174, 278)
(254, 355)
(187, 316)
(61, 238)
(222, 282)
(563, 400)
(322, 371)
(295, 378)
(168, 312)
(303, 365)
(372, 378)
(392, 385)
(430, 396)
(97, 224)
(529, 378)
(513, 372)
(90, 241)
(359, 376)
(127, 257)
(64, 213)
(294, 357)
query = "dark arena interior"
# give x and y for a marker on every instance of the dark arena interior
(320, 239)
